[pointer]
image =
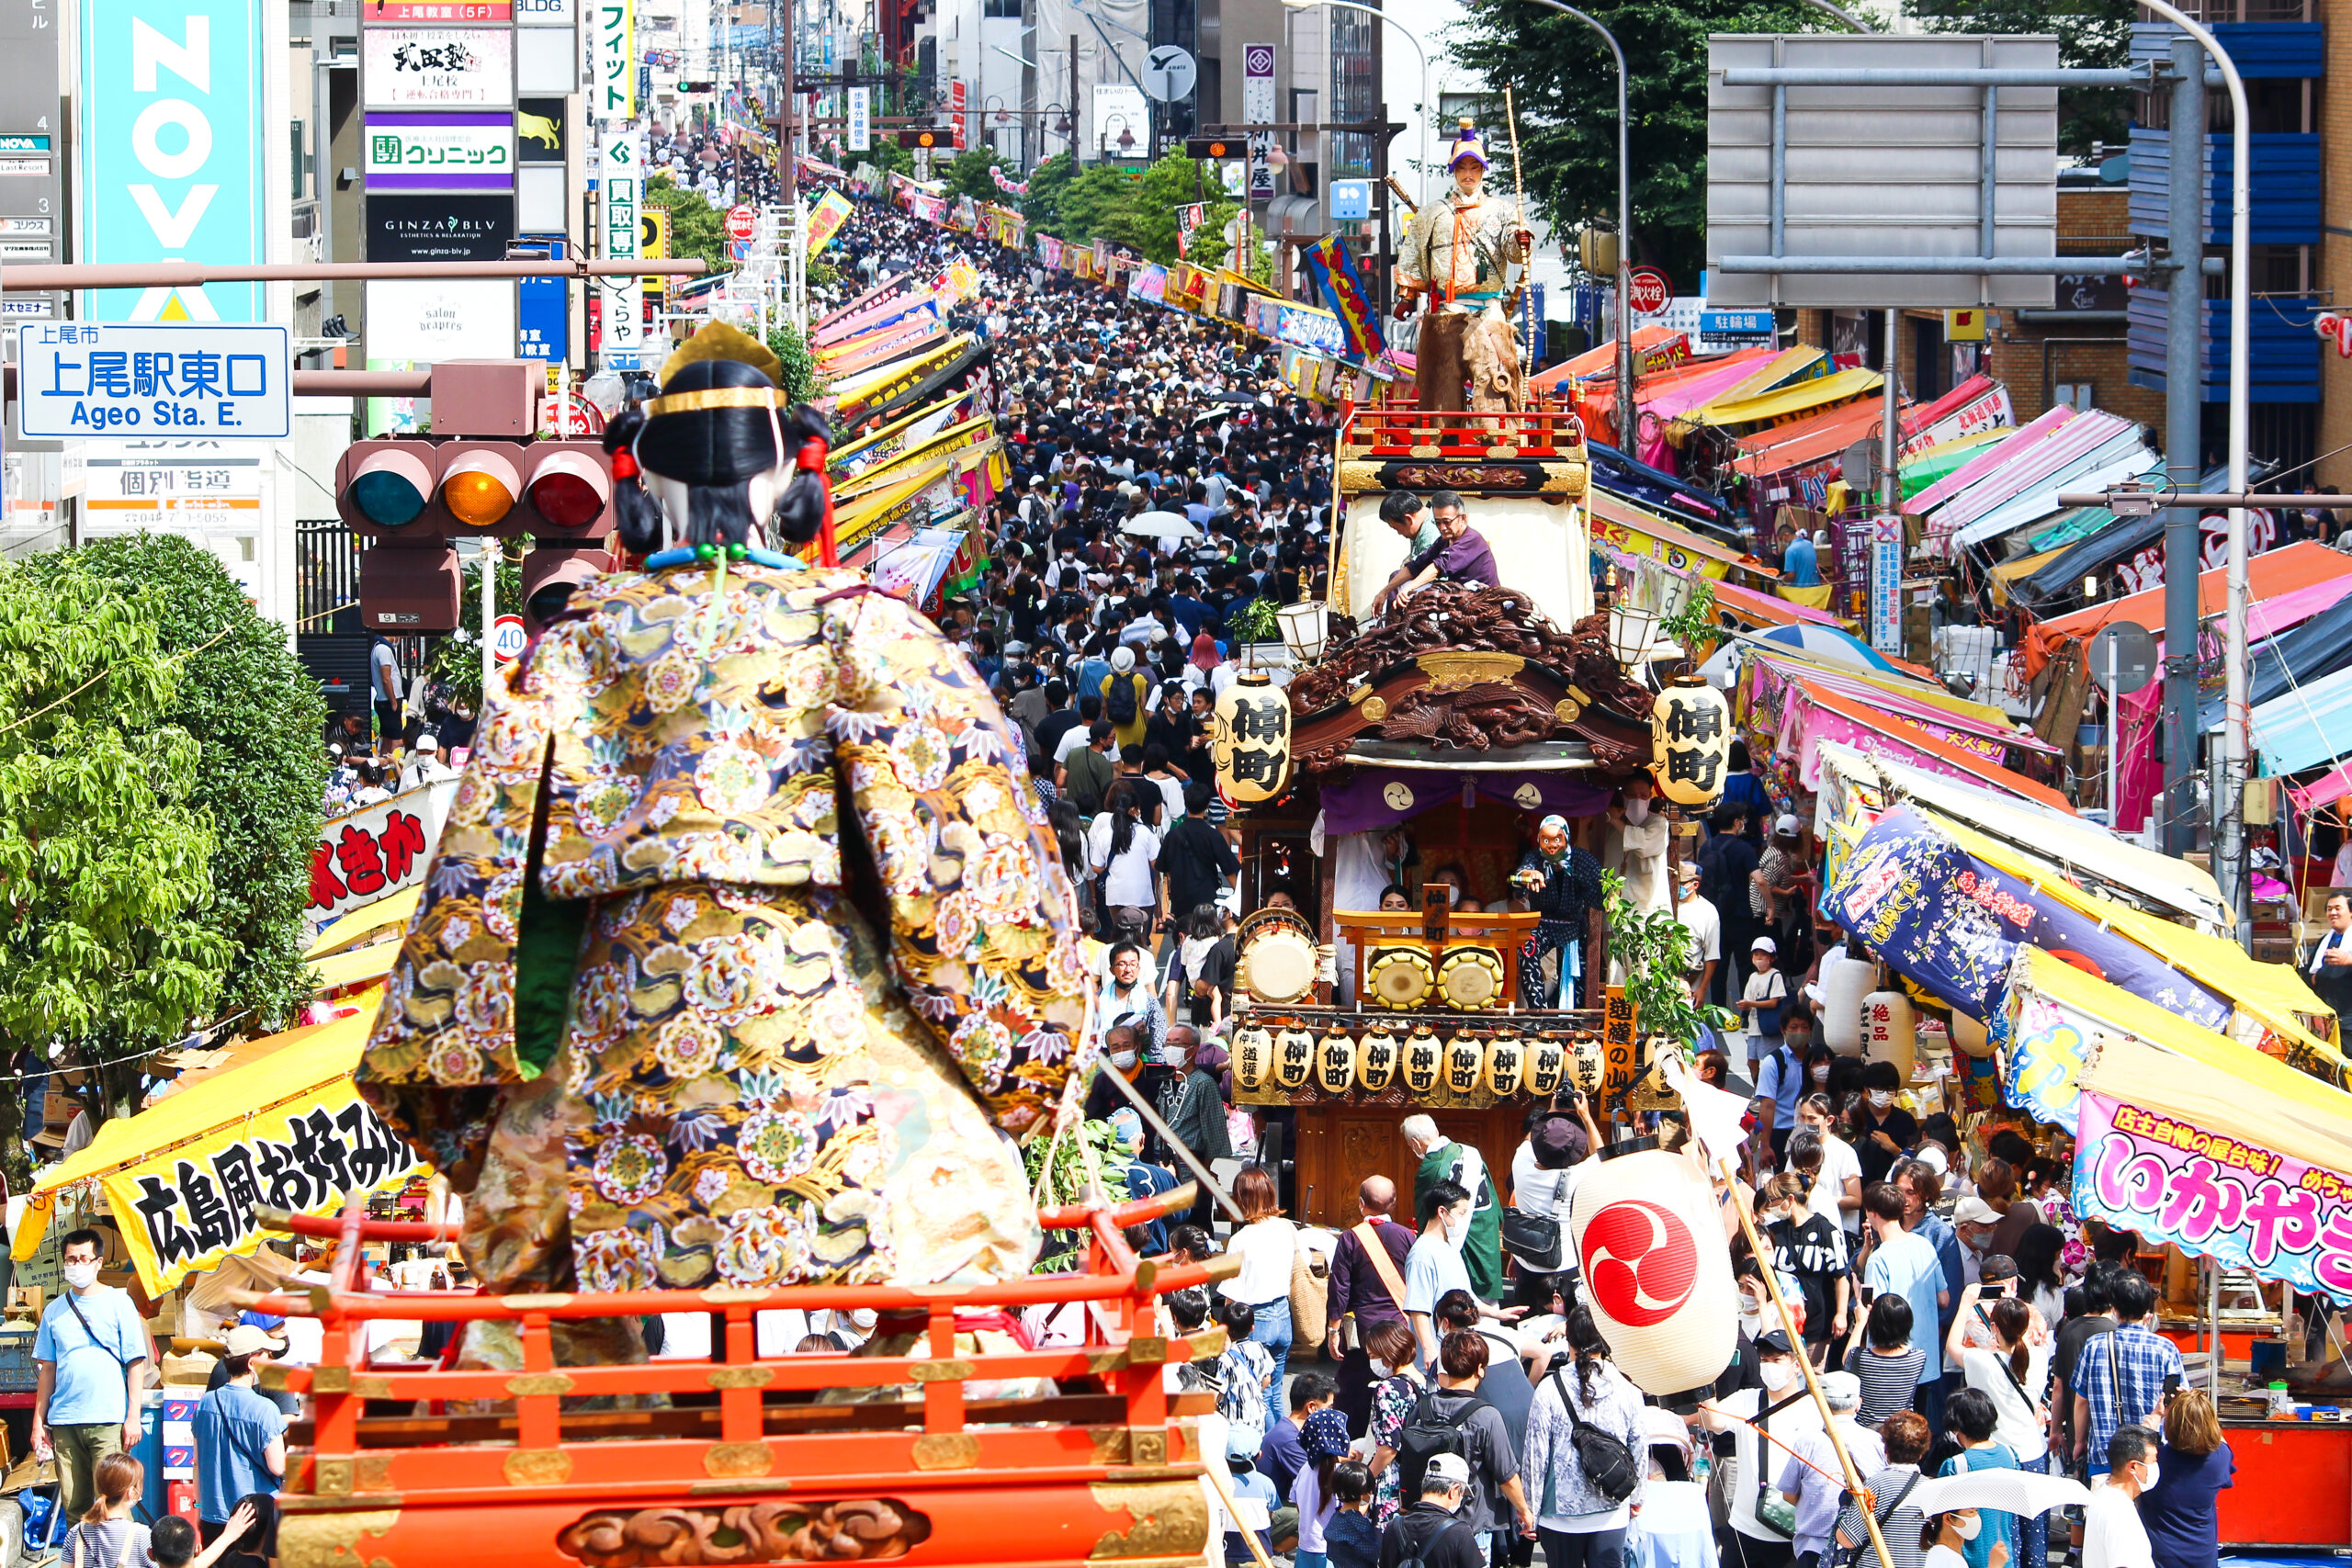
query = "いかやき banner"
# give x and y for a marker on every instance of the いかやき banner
(2214, 1196)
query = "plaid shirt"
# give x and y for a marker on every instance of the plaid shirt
(2133, 1361)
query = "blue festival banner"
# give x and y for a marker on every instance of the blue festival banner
(1950, 924)
(1333, 267)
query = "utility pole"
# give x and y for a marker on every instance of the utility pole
(1074, 121)
(2184, 458)
(788, 173)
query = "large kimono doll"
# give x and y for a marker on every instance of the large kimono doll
(746, 954)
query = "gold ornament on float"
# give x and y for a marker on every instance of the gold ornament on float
(1691, 728)
(1293, 1058)
(1249, 739)
(1507, 1056)
(1377, 1057)
(1424, 1065)
(1471, 979)
(1254, 1055)
(1334, 1063)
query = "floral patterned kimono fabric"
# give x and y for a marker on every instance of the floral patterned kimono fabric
(729, 1077)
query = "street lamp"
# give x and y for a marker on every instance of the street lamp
(1410, 37)
(1305, 627)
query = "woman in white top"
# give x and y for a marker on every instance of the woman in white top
(1836, 1192)
(2012, 1374)
(1267, 1244)
(1122, 845)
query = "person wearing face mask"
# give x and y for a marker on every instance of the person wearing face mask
(1636, 845)
(1765, 1424)
(1883, 1130)
(1809, 1474)
(1434, 1266)
(1961, 1542)
(1367, 1286)
(2113, 1533)
(90, 1361)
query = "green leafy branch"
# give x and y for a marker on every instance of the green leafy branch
(1655, 951)
(1064, 1182)
(1694, 623)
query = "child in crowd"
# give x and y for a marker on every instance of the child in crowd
(1350, 1539)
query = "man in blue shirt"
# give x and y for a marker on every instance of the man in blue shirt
(240, 1436)
(1904, 1263)
(1802, 562)
(1922, 1188)
(91, 1358)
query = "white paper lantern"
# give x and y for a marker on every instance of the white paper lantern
(1650, 1239)
(1547, 1062)
(1968, 1036)
(1843, 987)
(1506, 1064)
(1377, 1054)
(1424, 1067)
(1293, 1058)
(1254, 1055)
(1334, 1063)
(1466, 1064)
(1891, 1031)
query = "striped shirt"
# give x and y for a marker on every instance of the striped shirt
(1888, 1382)
(1899, 1527)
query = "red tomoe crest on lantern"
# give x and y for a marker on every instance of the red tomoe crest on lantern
(1639, 1261)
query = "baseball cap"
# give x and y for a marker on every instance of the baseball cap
(1786, 826)
(1843, 1390)
(1449, 1469)
(1772, 1342)
(1688, 872)
(245, 1339)
(1973, 1211)
(427, 743)
(1763, 944)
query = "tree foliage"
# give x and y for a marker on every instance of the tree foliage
(2092, 35)
(697, 228)
(1140, 208)
(457, 658)
(108, 941)
(800, 383)
(256, 716)
(1564, 82)
(966, 173)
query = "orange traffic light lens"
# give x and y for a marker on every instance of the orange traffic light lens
(479, 489)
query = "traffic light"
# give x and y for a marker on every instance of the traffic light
(414, 496)
(925, 137)
(1215, 147)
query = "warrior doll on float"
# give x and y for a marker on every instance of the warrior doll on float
(652, 1019)
(1468, 253)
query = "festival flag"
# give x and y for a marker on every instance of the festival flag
(1334, 271)
(825, 221)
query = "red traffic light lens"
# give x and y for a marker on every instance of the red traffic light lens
(569, 490)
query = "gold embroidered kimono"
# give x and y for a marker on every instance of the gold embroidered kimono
(751, 1085)
(1457, 249)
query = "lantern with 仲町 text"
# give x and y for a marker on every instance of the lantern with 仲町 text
(1334, 1063)
(1506, 1064)
(1656, 1268)
(1293, 1058)
(1377, 1055)
(1588, 1063)
(1691, 727)
(1249, 740)
(1466, 1064)
(1547, 1063)
(1424, 1067)
(1254, 1055)
(1891, 1031)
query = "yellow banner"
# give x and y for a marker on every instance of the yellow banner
(825, 221)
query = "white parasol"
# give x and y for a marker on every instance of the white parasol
(1161, 526)
(2001, 1491)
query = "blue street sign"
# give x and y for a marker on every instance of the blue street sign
(1736, 324)
(1350, 200)
(543, 308)
(83, 378)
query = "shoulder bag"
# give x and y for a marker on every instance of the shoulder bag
(1535, 1240)
(1607, 1464)
(1773, 1510)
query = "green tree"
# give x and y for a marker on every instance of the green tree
(966, 173)
(888, 156)
(109, 947)
(800, 380)
(457, 658)
(697, 228)
(2092, 35)
(1565, 83)
(256, 714)
(1170, 185)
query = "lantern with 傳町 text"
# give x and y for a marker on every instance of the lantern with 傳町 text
(1334, 1063)
(1293, 1058)
(1424, 1067)
(1690, 728)
(1377, 1055)
(1249, 740)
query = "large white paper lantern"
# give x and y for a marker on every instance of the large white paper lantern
(1377, 1054)
(1891, 1031)
(1465, 1065)
(1293, 1058)
(1649, 1240)
(1843, 987)
(1335, 1062)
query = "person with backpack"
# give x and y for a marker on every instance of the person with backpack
(1585, 1433)
(1454, 1417)
(1126, 696)
(1430, 1534)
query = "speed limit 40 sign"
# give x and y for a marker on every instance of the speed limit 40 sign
(507, 637)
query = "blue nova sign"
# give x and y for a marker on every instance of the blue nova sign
(171, 152)
(79, 378)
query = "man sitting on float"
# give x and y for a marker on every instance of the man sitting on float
(1460, 554)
